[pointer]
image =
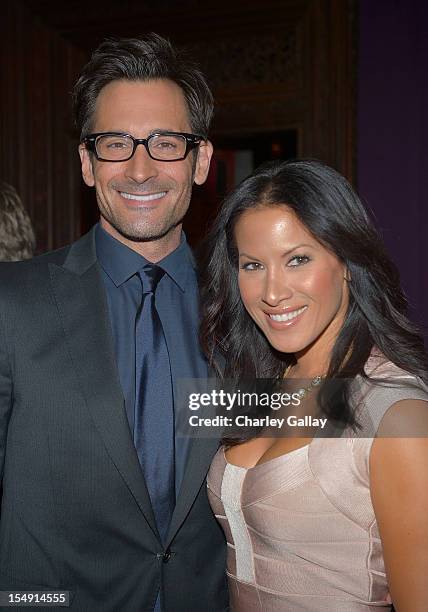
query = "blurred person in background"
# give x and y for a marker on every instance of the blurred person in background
(17, 240)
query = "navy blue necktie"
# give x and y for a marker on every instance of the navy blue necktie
(154, 414)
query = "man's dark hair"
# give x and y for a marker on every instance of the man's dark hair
(17, 239)
(145, 59)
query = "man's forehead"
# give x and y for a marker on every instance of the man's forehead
(158, 100)
(164, 90)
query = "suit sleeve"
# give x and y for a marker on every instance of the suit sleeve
(5, 394)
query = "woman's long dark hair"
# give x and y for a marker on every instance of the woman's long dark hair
(326, 204)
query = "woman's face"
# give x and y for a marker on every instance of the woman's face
(290, 284)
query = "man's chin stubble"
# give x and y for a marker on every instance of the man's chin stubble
(145, 234)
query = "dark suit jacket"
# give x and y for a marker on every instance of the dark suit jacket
(75, 511)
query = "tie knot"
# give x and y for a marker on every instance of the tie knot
(150, 275)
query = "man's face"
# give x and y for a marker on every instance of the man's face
(141, 200)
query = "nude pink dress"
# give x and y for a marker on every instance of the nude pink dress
(301, 531)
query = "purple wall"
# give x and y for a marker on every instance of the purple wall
(393, 135)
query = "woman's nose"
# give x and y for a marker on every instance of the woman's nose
(276, 288)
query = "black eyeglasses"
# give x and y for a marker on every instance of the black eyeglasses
(161, 146)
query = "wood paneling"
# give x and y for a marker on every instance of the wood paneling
(38, 144)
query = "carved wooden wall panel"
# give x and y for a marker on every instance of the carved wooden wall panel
(300, 77)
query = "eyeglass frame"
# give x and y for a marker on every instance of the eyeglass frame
(192, 141)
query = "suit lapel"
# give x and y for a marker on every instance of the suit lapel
(80, 297)
(200, 455)
(201, 452)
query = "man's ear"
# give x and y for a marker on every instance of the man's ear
(86, 162)
(205, 151)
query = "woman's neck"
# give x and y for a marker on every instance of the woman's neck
(309, 366)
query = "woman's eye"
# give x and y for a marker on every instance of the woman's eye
(298, 260)
(251, 265)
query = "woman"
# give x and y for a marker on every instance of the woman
(296, 282)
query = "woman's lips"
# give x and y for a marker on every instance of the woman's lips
(285, 319)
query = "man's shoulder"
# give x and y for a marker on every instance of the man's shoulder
(58, 256)
(14, 271)
(21, 282)
(24, 280)
(79, 254)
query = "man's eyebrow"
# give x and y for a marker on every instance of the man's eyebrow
(163, 129)
(152, 131)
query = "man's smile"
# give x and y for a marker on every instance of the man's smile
(143, 198)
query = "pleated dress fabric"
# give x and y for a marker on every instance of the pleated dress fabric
(301, 531)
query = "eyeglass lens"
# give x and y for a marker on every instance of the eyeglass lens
(162, 147)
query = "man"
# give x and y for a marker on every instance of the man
(100, 497)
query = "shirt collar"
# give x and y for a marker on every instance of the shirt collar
(120, 262)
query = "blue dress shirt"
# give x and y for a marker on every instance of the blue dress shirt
(177, 303)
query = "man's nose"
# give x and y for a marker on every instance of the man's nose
(277, 288)
(141, 166)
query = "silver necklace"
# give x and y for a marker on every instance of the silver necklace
(304, 391)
